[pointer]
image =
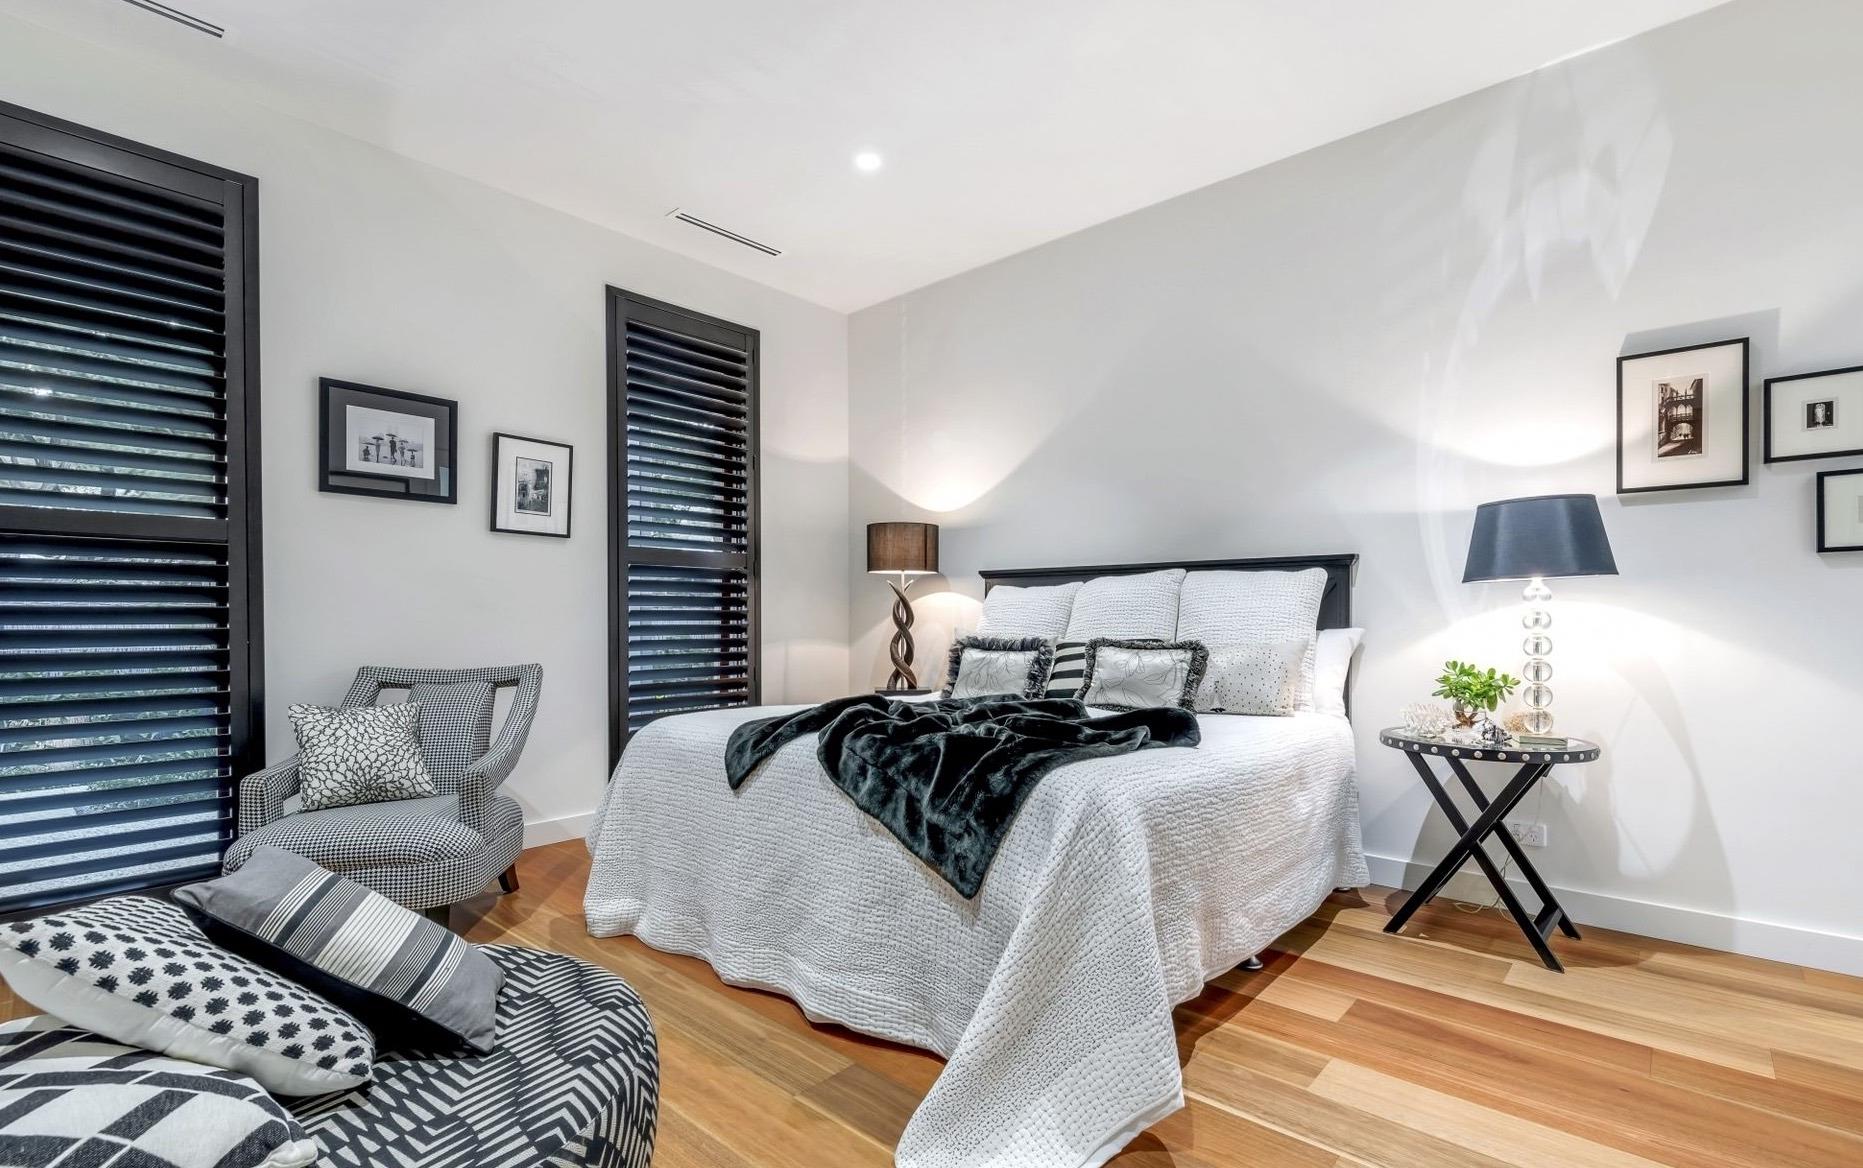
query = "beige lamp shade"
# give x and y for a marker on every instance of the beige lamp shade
(909, 549)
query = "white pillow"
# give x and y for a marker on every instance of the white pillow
(1241, 608)
(1260, 678)
(1142, 607)
(1332, 663)
(1009, 611)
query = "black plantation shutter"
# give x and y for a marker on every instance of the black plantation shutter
(128, 532)
(682, 513)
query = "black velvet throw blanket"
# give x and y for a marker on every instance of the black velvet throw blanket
(948, 777)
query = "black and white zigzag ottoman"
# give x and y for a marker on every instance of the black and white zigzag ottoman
(574, 1083)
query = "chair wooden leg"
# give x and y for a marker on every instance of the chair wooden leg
(441, 915)
(507, 879)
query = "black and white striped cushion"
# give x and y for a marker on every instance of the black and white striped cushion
(405, 976)
(68, 1096)
(1070, 670)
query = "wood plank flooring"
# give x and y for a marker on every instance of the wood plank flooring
(1448, 1048)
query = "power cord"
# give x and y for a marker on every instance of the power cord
(1539, 800)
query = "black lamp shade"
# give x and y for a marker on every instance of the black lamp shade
(909, 548)
(1547, 535)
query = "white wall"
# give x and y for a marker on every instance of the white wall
(382, 270)
(1348, 350)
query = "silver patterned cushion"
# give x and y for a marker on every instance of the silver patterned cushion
(1143, 675)
(370, 754)
(1261, 678)
(992, 667)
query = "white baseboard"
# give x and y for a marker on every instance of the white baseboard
(554, 831)
(1840, 952)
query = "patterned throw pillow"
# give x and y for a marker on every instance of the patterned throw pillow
(1143, 675)
(1254, 679)
(396, 970)
(68, 1096)
(995, 667)
(1070, 669)
(138, 971)
(455, 725)
(370, 754)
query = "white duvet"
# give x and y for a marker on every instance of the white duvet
(1124, 884)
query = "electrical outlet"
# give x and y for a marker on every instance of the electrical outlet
(1532, 835)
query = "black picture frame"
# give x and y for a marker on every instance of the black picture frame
(1746, 421)
(564, 490)
(1766, 406)
(336, 476)
(1823, 545)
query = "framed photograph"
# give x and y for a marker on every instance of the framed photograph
(1682, 418)
(531, 481)
(1840, 511)
(1814, 415)
(386, 443)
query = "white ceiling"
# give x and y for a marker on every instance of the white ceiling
(1003, 123)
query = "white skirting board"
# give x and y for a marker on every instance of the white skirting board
(1840, 952)
(554, 831)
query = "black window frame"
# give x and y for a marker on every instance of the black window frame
(241, 533)
(623, 305)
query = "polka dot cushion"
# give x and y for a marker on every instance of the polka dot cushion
(138, 971)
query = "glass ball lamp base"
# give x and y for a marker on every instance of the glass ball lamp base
(1537, 671)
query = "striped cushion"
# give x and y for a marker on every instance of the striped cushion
(410, 979)
(1070, 670)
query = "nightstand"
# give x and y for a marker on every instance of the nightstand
(1534, 766)
(904, 693)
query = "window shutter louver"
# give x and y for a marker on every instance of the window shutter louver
(128, 557)
(683, 509)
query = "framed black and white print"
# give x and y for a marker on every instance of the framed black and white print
(1814, 415)
(386, 443)
(1682, 418)
(531, 481)
(1840, 511)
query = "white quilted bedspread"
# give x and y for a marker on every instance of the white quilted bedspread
(1124, 884)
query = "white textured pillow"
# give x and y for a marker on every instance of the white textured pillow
(1242, 608)
(1260, 678)
(1142, 607)
(1009, 611)
(1332, 663)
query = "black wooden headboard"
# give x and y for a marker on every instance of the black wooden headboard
(1335, 605)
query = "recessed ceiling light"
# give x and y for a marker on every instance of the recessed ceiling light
(868, 161)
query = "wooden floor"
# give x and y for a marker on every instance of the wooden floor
(1447, 1048)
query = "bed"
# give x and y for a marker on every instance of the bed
(1123, 885)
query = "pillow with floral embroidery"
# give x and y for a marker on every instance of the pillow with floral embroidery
(138, 971)
(1143, 675)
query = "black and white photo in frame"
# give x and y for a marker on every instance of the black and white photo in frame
(531, 481)
(1682, 418)
(1814, 415)
(1840, 511)
(386, 442)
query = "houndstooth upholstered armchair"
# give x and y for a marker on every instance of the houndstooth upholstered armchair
(426, 853)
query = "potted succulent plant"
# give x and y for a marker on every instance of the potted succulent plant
(1472, 691)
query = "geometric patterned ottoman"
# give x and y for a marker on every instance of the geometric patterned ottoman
(574, 1083)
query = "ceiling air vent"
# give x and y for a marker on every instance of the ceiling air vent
(186, 20)
(726, 232)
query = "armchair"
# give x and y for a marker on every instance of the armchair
(429, 853)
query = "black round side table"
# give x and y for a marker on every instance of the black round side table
(1489, 817)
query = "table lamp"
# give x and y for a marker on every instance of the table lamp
(908, 550)
(1534, 539)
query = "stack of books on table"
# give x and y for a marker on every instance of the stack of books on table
(1540, 742)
